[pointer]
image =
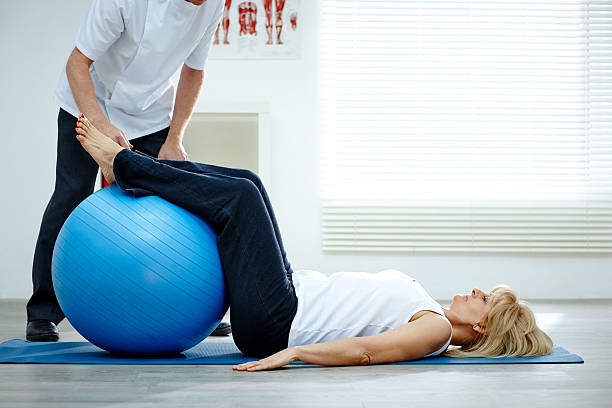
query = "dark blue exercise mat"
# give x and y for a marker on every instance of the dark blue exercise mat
(20, 351)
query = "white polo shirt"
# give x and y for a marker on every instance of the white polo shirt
(137, 46)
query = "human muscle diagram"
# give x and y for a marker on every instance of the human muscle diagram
(274, 19)
(247, 17)
(225, 21)
(258, 29)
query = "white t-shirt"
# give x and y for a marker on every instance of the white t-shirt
(137, 46)
(356, 304)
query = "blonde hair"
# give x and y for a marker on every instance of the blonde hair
(512, 330)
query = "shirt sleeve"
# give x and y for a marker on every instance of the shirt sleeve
(101, 28)
(197, 58)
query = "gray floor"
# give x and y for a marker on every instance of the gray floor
(583, 327)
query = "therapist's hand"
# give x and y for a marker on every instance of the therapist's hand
(172, 150)
(114, 133)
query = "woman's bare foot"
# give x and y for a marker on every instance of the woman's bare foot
(101, 148)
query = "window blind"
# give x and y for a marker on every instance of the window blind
(466, 125)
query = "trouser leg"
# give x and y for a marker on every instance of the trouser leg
(261, 296)
(75, 176)
(202, 168)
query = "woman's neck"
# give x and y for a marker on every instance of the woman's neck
(463, 333)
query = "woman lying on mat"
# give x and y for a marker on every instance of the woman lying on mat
(346, 319)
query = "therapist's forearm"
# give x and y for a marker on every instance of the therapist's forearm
(189, 86)
(82, 87)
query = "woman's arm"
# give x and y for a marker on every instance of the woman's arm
(408, 342)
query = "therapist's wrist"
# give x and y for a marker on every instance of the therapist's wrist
(98, 120)
(174, 137)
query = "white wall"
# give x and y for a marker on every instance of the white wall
(36, 38)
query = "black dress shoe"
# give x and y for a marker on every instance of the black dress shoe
(223, 329)
(42, 330)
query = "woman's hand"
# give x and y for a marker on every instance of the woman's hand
(282, 358)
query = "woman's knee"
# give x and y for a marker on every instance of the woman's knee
(246, 190)
(250, 175)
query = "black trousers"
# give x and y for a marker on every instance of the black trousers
(234, 201)
(75, 176)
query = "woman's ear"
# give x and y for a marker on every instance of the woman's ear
(479, 329)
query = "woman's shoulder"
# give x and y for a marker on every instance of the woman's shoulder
(438, 328)
(437, 325)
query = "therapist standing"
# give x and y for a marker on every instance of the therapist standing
(118, 75)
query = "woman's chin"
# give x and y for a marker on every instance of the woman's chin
(456, 298)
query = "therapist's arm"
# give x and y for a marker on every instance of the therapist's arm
(189, 87)
(81, 85)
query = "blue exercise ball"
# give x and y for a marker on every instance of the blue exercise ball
(138, 275)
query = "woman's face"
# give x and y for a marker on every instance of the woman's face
(472, 308)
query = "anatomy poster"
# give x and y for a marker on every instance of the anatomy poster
(258, 29)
